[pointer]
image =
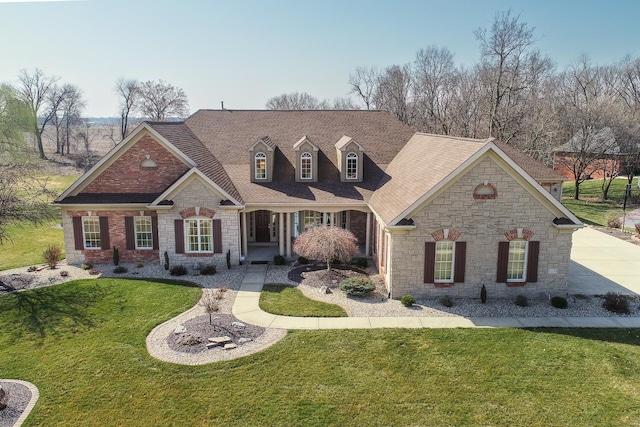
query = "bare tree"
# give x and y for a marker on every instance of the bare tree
(322, 243)
(344, 104)
(394, 93)
(296, 101)
(364, 83)
(85, 137)
(37, 91)
(129, 92)
(161, 100)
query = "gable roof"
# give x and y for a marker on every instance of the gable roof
(538, 170)
(417, 173)
(601, 141)
(230, 133)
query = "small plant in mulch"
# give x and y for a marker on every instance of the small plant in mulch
(120, 269)
(559, 302)
(358, 286)
(614, 223)
(408, 300)
(302, 260)
(446, 301)
(32, 268)
(64, 273)
(86, 266)
(139, 265)
(279, 260)
(94, 271)
(178, 270)
(616, 303)
(210, 303)
(208, 270)
(483, 294)
(52, 255)
(521, 301)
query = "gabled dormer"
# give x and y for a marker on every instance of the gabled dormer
(261, 160)
(306, 160)
(350, 159)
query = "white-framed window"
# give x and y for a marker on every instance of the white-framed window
(306, 171)
(310, 219)
(352, 166)
(91, 232)
(517, 262)
(144, 234)
(198, 235)
(261, 166)
(344, 219)
(444, 261)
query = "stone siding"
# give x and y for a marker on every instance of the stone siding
(482, 224)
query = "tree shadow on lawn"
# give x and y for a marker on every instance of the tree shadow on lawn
(629, 336)
(54, 309)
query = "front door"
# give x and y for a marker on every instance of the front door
(262, 226)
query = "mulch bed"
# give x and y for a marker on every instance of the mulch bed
(340, 272)
(222, 326)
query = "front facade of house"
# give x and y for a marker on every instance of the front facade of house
(438, 215)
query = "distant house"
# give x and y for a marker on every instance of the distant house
(594, 154)
(436, 214)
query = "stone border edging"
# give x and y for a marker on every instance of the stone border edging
(157, 346)
(35, 395)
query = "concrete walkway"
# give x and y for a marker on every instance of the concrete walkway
(246, 308)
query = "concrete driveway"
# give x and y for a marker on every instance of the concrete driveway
(601, 263)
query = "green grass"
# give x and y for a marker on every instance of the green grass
(83, 345)
(591, 208)
(286, 300)
(27, 241)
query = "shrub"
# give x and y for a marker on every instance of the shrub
(116, 256)
(94, 271)
(32, 268)
(139, 265)
(178, 270)
(357, 286)
(64, 273)
(166, 260)
(408, 300)
(228, 259)
(86, 266)
(446, 301)
(522, 301)
(302, 260)
(360, 262)
(279, 260)
(120, 269)
(559, 302)
(483, 294)
(52, 255)
(616, 303)
(207, 270)
(326, 244)
(614, 223)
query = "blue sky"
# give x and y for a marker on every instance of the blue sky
(244, 52)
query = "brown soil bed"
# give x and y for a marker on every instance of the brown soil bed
(323, 277)
(222, 326)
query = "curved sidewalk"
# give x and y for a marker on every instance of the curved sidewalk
(247, 309)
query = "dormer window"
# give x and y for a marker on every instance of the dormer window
(306, 160)
(261, 166)
(306, 169)
(350, 155)
(352, 166)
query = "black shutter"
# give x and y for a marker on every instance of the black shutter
(78, 237)
(179, 235)
(460, 259)
(429, 262)
(217, 236)
(129, 232)
(154, 232)
(532, 261)
(503, 261)
(104, 233)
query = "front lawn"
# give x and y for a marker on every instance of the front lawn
(287, 300)
(591, 208)
(83, 345)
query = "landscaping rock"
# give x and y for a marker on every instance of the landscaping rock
(325, 290)
(211, 345)
(190, 339)
(4, 398)
(230, 346)
(220, 340)
(238, 325)
(180, 329)
(244, 340)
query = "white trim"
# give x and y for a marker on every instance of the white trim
(135, 232)
(199, 219)
(262, 156)
(351, 155)
(524, 264)
(301, 141)
(307, 156)
(118, 151)
(453, 261)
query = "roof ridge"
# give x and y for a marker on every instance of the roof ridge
(458, 138)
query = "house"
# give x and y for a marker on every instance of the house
(592, 154)
(437, 214)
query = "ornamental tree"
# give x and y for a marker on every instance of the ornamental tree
(322, 243)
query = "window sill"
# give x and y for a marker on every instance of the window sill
(516, 284)
(443, 285)
(199, 254)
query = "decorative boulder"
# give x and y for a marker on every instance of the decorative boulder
(4, 398)
(180, 329)
(238, 325)
(325, 290)
(190, 339)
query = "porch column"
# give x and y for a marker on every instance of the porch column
(367, 249)
(281, 232)
(245, 245)
(334, 216)
(288, 237)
